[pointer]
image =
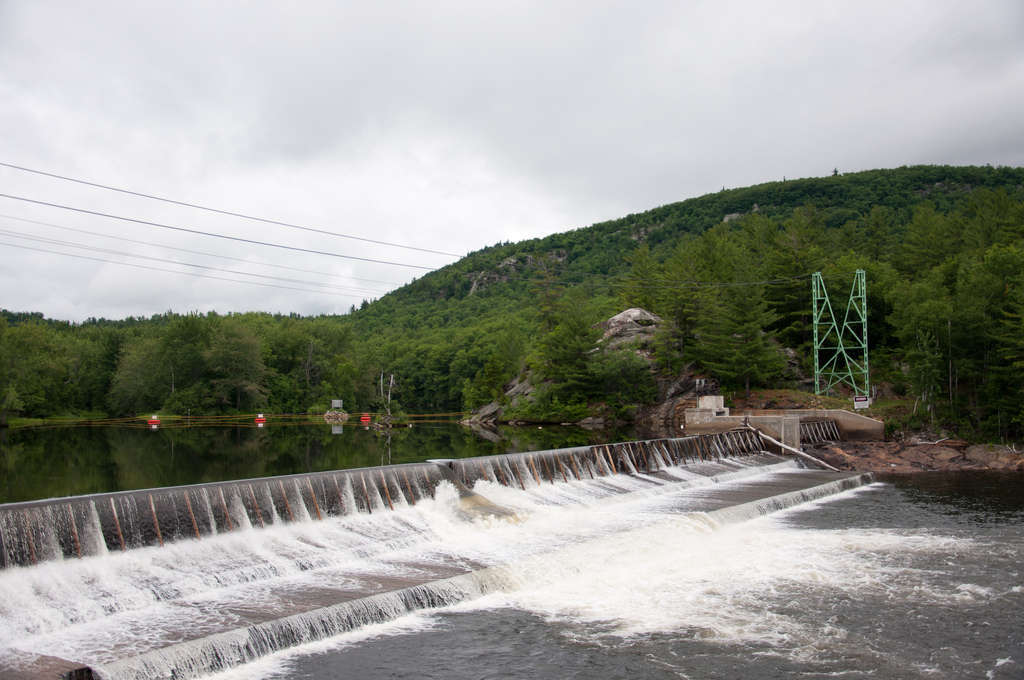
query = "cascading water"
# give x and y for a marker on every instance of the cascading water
(183, 581)
(37, 531)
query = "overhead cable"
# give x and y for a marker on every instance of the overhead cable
(219, 211)
(135, 220)
(713, 284)
(96, 249)
(196, 252)
(172, 271)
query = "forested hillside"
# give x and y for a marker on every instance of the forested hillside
(729, 272)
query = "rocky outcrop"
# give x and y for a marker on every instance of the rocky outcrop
(632, 325)
(511, 267)
(917, 457)
(491, 413)
(737, 215)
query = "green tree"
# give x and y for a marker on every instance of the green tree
(9, 403)
(565, 351)
(1009, 337)
(930, 239)
(138, 383)
(733, 342)
(236, 368)
(796, 252)
(926, 369)
(35, 360)
(183, 344)
(682, 303)
(641, 287)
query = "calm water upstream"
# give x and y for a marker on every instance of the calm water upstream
(70, 461)
(919, 577)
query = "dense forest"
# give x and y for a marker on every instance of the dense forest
(729, 273)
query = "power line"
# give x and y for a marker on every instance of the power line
(207, 233)
(714, 284)
(172, 271)
(72, 244)
(222, 212)
(197, 252)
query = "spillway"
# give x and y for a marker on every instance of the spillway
(36, 531)
(185, 581)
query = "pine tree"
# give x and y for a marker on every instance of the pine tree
(641, 287)
(733, 343)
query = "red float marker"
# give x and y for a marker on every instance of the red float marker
(153, 422)
(364, 419)
(260, 419)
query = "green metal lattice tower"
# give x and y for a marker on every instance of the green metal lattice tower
(840, 351)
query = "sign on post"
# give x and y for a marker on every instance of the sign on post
(860, 402)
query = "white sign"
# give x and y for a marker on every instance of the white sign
(336, 403)
(861, 402)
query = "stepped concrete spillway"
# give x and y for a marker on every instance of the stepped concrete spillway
(80, 526)
(196, 594)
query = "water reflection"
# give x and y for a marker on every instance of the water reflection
(45, 463)
(985, 494)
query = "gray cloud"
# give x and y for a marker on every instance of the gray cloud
(464, 124)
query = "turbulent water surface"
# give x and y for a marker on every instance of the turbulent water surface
(922, 577)
(611, 575)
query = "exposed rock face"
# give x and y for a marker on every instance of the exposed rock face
(632, 324)
(625, 327)
(511, 267)
(910, 457)
(491, 413)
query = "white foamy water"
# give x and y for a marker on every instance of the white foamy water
(765, 587)
(681, 574)
(624, 553)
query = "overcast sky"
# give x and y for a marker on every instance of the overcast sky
(445, 126)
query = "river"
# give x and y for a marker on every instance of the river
(49, 462)
(916, 576)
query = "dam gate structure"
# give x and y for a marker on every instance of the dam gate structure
(182, 581)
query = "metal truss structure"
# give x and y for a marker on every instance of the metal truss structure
(840, 349)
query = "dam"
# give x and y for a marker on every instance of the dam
(185, 581)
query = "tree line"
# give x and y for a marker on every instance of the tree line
(943, 249)
(945, 302)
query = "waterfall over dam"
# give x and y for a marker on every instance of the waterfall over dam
(97, 524)
(183, 581)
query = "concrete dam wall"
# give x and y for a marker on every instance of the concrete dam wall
(80, 526)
